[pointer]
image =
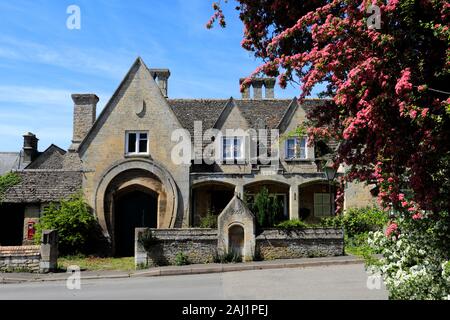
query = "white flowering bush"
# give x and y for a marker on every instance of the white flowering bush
(415, 257)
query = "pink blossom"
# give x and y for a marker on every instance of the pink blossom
(417, 216)
(391, 228)
(404, 83)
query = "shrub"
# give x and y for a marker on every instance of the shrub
(147, 239)
(230, 256)
(267, 209)
(292, 224)
(74, 223)
(360, 220)
(416, 254)
(7, 181)
(181, 259)
(208, 221)
(357, 221)
(332, 222)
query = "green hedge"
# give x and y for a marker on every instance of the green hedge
(356, 221)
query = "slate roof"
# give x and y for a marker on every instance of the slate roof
(44, 186)
(9, 161)
(190, 110)
(270, 111)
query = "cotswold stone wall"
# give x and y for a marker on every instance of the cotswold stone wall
(199, 245)
(286, 244)
(42, 258)
(20, 258)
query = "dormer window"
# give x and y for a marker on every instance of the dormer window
(136, 142)
(296, 148)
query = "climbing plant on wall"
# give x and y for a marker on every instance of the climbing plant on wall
(7, 181)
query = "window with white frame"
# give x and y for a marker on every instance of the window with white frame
(136, 142)
(296, 148)
(321, 204)
(232, 148)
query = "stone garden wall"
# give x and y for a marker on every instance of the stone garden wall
(42, 258)
(20, 258)
(197, 244)
(286, 244)
(201, 245)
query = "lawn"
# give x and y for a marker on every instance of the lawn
(92, 263)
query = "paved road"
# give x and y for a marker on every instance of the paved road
(330, 282)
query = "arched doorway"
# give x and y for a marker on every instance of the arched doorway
(277, 202)
(210, 197)
(133, 172)
(236, 240)
(136, 208)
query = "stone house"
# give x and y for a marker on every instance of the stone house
(123, 161)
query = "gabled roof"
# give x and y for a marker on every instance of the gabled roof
(9, 161)
(109, 105)
(269, 111)
(51, 158)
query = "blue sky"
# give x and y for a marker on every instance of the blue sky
(42, 62)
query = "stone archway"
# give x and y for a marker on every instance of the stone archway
(135, 175)
(236, 239)
(134, 207)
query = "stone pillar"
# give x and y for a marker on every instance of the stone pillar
(239, 191)
(269, 84)
(49, 251)
(30, 147)
(257, 88)
(84, 114)
(246, 92)
(293, 202)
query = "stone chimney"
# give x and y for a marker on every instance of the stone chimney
(246, 92)
(162, 77)
(30, 147)
(84, 113)
(269, 84)
(257, 84)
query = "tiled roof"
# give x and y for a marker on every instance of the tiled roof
(269, 111)
(44, 186)
(190, 110)
(51, 158)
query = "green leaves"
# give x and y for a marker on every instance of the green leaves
(7, 181)
(72, 220)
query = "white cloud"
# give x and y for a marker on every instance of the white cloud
(91, 61)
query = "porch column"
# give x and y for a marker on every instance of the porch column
(239, 190)
(293, 202)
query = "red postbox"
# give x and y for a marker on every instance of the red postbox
(30, 230)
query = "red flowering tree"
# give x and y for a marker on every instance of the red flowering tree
(390, 86)
(389, 83)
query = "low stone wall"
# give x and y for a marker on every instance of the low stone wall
(298, 243)
(42, 258)
(20, 259)
(200, 245)
(197, 244)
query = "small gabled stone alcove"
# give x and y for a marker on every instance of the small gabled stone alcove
(236, 230)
